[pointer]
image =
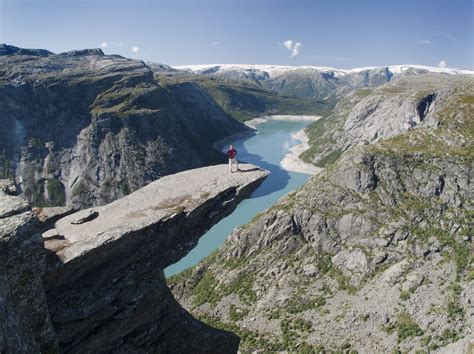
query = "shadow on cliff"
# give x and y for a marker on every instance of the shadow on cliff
(278, 178)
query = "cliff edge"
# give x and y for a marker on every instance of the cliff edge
(104, 282)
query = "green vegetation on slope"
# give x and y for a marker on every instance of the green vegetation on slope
(56, 193)
(320, 135)
(6, 170)
(244, 100)
(405, 327)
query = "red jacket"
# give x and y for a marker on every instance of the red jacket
(231, 153)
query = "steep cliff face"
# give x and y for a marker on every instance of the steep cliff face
(244, 99)
(374, 255)
(25, 325)
(104, 282)
(83, 128)
(368, 115)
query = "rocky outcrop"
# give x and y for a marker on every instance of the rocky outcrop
(366, 116)
(103, 278)
(82, 128)
(25, 325)
(105, 284)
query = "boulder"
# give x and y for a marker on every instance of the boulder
(412, 281)
(351, 260)
(393, 274)
(310, 270)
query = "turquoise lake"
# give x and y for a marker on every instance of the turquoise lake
(265, 149)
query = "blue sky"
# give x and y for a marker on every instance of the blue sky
(338, 33)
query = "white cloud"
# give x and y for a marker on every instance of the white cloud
(108, 44)
(135, 49)
(424, 41)
(215, 43)
(442, 64)
(288, 44)
(294, 47)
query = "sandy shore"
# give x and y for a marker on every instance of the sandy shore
(252, 123)
(291, 161)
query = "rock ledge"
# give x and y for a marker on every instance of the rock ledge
(105, 284)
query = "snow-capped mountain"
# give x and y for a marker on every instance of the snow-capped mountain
(275, 70)
(314, 81)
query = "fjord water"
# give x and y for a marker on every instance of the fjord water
(265, 149)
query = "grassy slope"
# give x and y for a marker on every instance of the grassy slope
(245, 100)
(320, 140)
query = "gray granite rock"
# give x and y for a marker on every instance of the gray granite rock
(105, 282)
(82, 128)
(25, 325)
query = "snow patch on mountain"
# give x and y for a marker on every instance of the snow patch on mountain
(275, 70)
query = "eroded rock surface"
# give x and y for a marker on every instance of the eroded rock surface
(105, 283)
(375, 254)
(369, 115)
(25, 325)
(105, 289)
(83, 128)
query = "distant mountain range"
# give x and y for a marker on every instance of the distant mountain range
(313, 81)
(273, 70)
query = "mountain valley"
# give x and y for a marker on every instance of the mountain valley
(109, 173)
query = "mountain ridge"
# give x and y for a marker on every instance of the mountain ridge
(278, 69)
(83, 128)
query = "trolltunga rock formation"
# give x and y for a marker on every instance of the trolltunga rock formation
(104, 281)
(105, 284)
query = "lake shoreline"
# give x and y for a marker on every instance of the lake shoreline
(265, 148)
(252, 123)
(292, 161)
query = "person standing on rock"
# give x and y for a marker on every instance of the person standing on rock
(232, 159)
